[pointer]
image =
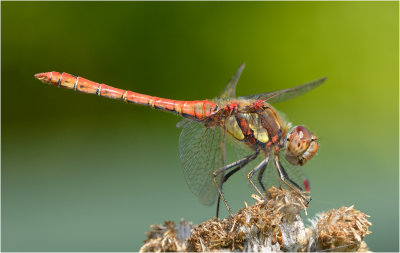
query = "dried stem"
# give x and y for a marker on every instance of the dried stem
(259, 228)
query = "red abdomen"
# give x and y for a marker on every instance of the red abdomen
(193, 109)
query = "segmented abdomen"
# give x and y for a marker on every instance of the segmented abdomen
(192, 109)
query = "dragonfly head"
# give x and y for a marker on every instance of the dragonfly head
(300, 146)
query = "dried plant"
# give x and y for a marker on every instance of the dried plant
(274, 227)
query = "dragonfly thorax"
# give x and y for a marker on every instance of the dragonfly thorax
(253, 122)
(300, 146)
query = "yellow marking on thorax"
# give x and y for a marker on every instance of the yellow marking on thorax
(260, 133)
(233, 128)
(262, 136)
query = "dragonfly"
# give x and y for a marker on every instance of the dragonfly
(262, 134)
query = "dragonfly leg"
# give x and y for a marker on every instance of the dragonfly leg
(222, 148)
(218, 202)
(235, 166)
(259, 178)
(262, 165)
(225, 178)
(284, 178)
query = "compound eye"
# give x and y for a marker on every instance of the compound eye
(298, 141)
(303, 133)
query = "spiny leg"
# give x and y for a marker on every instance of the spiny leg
(235, 166)
(290, 180)
(222, 147)
(284, 176)
(225, 178)
(218, 202)
(263, 164)
(260, 176)
(231, 173)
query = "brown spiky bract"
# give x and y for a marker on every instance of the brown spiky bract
(168, 237)
(343, 229)
(254, 228)
(276, 227)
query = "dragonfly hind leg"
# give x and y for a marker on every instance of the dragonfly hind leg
(260, 176)
(236, 166)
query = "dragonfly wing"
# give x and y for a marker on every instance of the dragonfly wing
(182, 123)
(201, 152)
(230, 88)
(286, 94)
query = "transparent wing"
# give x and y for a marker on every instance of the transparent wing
(201, 152)
(286, 94)
(230, 88)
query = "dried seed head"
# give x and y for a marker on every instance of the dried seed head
(342, 230)
(168, 237)
(277, 227)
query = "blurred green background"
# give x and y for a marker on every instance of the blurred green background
(83, 173)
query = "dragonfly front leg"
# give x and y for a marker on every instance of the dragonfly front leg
(284, 176)
(235, 166)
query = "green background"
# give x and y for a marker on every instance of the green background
(83, 173)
